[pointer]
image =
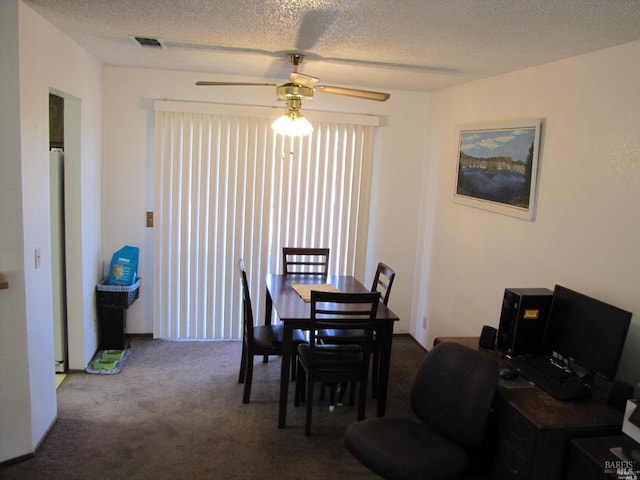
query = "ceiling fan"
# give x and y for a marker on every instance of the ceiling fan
(303, 86)
(293, 92)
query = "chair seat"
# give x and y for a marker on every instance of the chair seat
(329, 357)
(402, 448)
(267, 335)
(270, 335)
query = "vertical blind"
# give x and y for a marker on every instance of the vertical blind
(226, 187)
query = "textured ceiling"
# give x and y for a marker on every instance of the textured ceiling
(417, 45)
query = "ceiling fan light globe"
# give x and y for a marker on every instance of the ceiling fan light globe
(298, 126)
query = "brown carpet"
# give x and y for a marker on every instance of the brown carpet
(175, 412)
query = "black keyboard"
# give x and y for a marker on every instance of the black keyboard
(551, 376)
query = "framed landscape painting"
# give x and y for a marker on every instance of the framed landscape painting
(497, 167)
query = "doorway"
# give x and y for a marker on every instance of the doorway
(58, 253)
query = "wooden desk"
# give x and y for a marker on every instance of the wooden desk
(533, 430)
(295, 313)
(592, 459)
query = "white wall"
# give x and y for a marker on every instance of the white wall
(587, 225)
(50, 61)
(128, 171)
(37, 58)
(14, 367)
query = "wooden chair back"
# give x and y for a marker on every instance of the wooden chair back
(310, 261)
(247, 310)
(348, 312)
(382, 282)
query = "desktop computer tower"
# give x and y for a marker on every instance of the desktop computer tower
(523, 319)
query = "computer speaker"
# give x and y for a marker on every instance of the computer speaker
(488, 337)
(619, 394)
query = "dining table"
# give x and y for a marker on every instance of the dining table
(295, 313)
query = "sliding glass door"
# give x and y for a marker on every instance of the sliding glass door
(227, 187)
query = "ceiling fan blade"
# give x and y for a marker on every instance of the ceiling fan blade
(302, 79)
(352, 92)
(233, 84)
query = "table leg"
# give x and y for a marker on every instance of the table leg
(287, 345)
(385, 335)
(268, 308)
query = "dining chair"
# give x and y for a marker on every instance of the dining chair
(332, 364)
(262, 340)
(311, 261)
(382, 282)
(451, 398)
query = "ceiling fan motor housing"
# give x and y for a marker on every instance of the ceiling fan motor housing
(290, 90)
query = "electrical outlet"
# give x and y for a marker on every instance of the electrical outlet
(149, 219)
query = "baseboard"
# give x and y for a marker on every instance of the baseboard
(140, 335)
(19, 459)
(30, 455)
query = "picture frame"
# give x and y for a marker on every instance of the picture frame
(497, 167)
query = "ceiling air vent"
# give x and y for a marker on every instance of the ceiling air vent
(149, 42)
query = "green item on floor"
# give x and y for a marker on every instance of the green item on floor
(101, 364)
(112, 355)
(108, 362)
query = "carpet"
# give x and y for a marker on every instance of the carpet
(175, 412)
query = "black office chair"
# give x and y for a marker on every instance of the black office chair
(451, 397)
(310, 261)
(334, 364)
(264, 340)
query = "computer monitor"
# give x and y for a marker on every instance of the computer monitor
(586, 331)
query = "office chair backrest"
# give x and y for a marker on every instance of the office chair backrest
(310, 261)
(382, 282)
(453, 390)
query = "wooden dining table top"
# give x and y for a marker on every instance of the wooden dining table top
(290, 306)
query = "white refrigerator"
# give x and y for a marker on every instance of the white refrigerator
(58, 272)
